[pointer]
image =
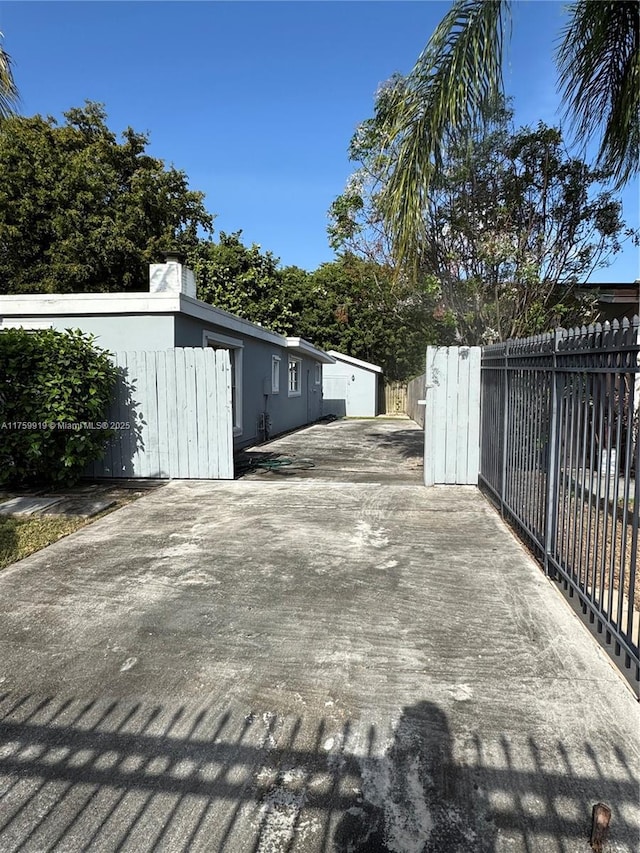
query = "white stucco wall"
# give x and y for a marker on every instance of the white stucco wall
(350, 389)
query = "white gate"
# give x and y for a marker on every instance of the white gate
(452, 416)
(171, 416)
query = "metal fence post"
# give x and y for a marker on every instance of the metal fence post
(553, 468)
(505, 430)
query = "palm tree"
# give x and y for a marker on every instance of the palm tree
(459, 75)
(8, 89)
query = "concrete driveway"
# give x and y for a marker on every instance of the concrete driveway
(374, 451)
(337, 660)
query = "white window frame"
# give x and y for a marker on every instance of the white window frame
(217, 341)
(275, 374)
(296, 392)
(318, 373)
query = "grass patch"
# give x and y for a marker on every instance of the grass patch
(20, 537)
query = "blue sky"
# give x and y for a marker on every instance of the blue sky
(257, 101)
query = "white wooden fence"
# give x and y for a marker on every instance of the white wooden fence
(452, 416)
(171, 416)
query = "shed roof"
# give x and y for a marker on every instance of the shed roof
(349, 359)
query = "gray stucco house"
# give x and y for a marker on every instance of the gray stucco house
(276, 381)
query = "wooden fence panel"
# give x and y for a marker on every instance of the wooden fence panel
(416, 398)
(178, 406)
(395, 398)
(452, 416)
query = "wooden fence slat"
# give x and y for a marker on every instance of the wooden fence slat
(143, 467)
(105, 463)
(224, 414)
(462, 417)
(449, 414)
(201, 413)
(162, 388)
(180, 432)
(124, 408)
(152, 454)
(439, 378)
(173, 449)
(127, 408)
(191, 432)
(430, 421)
(427, 467)
(214, 430)
(139, 448)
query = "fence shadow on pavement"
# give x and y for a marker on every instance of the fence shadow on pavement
(127, 775)
(408, 443)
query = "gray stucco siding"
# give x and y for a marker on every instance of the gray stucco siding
(188, 331)
(289, 412)
(284, 412)
(256, 387)
(120, 332)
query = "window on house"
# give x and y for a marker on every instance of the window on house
(294, 377)
(318, 374)
(275, 374)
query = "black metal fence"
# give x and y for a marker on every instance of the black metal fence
(560, 455)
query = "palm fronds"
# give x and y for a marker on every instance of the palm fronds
(454, 80)
(8, 90)
(599, 65)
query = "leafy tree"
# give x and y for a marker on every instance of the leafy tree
(80, 211)
(459, 74)
(349, 304)
(513, 225)
(242, 280)
(352, 305)
(8, 89)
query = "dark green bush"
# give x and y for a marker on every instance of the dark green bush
(55, 389)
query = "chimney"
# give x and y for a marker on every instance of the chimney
(172, 276)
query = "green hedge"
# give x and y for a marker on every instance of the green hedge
(55, 389)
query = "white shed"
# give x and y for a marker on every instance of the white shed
(350, 387)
